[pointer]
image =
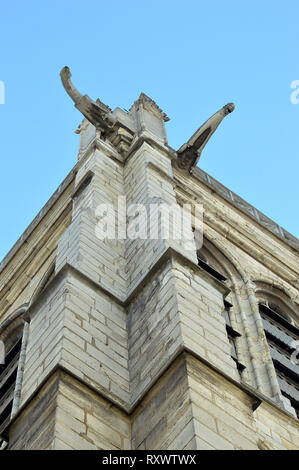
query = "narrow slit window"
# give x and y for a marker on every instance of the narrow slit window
(203, 263)
(232, 335)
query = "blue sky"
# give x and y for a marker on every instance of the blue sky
(191, 57)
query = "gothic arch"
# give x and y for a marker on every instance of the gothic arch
(13, 336)
(223, 260)
(12, 327)
(47, 277)
(276, 297)
(16, 319)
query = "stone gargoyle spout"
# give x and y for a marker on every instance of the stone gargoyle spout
(190, 152)
(96, 112)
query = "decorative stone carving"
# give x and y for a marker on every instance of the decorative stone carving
(190, 152)
(149, 105)
(97, 112)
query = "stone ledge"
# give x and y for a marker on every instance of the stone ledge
(146, 139)
(199, 174)
(256, 397)
(168, 254)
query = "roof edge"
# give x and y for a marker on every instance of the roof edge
(246, 208)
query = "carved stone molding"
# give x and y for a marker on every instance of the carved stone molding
(247, 208)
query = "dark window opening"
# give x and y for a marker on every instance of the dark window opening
(281, 335)
(232, 335)
(8, 374)
(280, 321)
(208, 268)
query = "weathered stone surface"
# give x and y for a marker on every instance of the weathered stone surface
(127, 345)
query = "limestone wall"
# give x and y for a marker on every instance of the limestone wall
(127, 343)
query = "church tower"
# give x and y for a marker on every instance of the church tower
(119, 332)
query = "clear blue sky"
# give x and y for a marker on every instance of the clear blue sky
(191, 57)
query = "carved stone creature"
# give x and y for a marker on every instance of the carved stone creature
(190, 152)
(97, 113)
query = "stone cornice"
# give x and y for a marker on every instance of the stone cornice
(246, 208)
(42, 213)
(257, 398)
(232, 233)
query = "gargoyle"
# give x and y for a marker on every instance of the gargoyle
(190, 152)
(96, 112)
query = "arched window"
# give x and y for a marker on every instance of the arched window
(8, 375)
(13, 335)
(204, 261)
(282, 335)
